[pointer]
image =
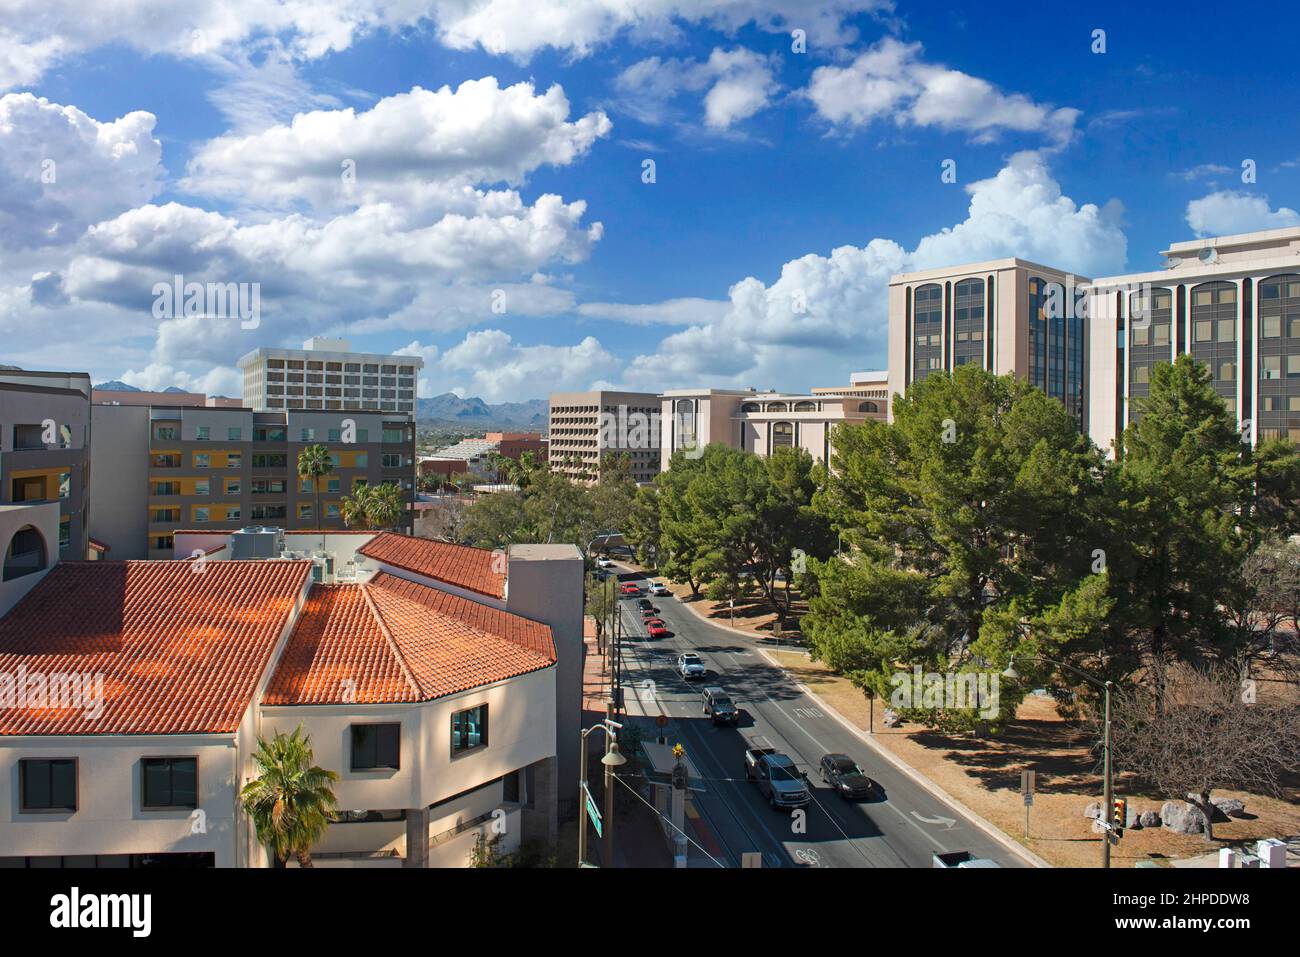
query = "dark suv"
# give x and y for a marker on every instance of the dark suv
(720, 706)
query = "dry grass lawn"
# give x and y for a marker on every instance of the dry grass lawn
(985, 776)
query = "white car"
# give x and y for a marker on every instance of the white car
(659, 588)
(604, 562)
(690, 665)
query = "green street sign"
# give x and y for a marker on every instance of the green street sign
(593, 813)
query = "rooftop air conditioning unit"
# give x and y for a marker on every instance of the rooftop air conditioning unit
(256, 542)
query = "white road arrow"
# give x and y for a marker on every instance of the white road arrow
(947, 822)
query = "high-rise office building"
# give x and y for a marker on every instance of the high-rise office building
(1006, 315)
(586, 426)
(325, 374)
(1233, 303)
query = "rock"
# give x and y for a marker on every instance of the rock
(1230, 807)
(1149, 819)
(1093, 810)
(1181, 818)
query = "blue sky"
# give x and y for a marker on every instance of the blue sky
(499, 225)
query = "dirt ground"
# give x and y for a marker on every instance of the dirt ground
(984, 774)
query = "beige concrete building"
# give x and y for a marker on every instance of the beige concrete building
(997, 314)
(872, 387)
(327, 374)
(758, 422)
(1233, 303)
(586, 426)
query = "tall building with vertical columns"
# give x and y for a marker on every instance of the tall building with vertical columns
(1233, 303)
(996, 314)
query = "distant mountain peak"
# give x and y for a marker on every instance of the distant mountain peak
(451, 409)
(116, 385)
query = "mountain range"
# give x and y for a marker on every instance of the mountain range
(447, 409)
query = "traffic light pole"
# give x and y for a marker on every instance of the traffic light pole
(1108, 802)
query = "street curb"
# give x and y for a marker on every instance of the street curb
(992, 830)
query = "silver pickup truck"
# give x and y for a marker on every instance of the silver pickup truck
(778, 780)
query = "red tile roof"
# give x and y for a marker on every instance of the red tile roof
(412, 642)
(180, 652)
(474, 569)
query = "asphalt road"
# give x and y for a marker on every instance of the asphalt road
(903, 826)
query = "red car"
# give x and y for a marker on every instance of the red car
(656, 630)
(655, 622)
(627, 588)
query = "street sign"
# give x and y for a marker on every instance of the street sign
(592, 812)
(1029, 799)
(1027, 783)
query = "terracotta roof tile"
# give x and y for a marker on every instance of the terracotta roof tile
(179, 652)
(417, 643)
(337, 647)
(473, 569)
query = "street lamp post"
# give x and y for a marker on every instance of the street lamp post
(1108, 789)
(611, 760)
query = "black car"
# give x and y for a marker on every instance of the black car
(645, 604)
(720, 706)
(849, 781)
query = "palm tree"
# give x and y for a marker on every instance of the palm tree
(290, 800)
(314, 462)
(374, 506)
(354, 508)
(384, 507)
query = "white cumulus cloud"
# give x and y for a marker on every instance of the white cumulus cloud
(1228, 211)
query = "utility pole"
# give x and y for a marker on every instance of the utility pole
(1106, 802)
(607, 850)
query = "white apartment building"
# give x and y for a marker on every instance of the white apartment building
(427, 675)
(328, 374)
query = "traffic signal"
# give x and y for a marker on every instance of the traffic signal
(1118, 815)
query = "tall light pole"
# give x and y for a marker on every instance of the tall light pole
(611, 760)
(1108, 786)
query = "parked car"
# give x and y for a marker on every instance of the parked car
(656, 630)
(778, 780)
(603, 562)
(628, 589)
(720, 706)
(690, 665)
(962, 859)
(843, 774)
(659, 589)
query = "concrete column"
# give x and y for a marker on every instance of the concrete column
(417, 837)
(540, 816)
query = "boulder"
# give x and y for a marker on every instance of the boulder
(1230, 807)
(1181, 818)
(1093, 810)
(1149, 819)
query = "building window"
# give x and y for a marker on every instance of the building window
(169, 783)
(392, 435)
(376, 747)
(65, 485)
(201, 433)
(782, 435)
(309, 435)
(201, 487)
(232, 486)
(201, 514)
(234, 433)
(48, 784)
(234, 460)
(1270, 367)
(25, 555)
(392, 460)
(469, 730)
(201, 460)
